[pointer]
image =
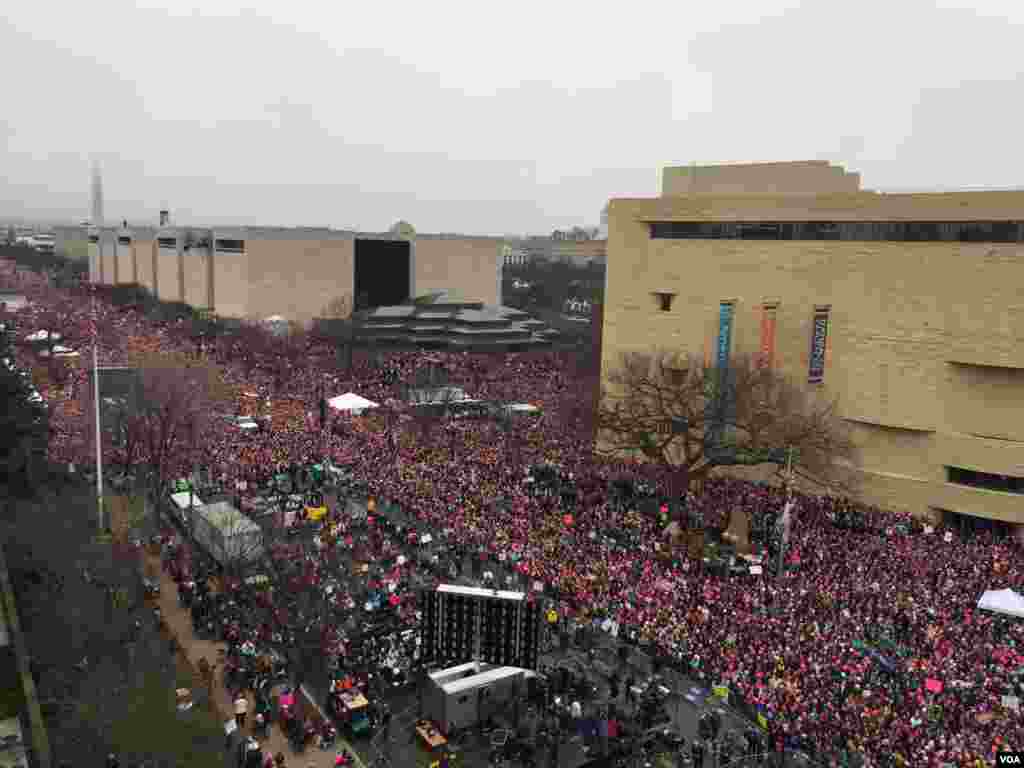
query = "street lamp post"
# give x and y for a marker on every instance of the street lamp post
(785, 522)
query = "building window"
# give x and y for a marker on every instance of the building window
(231, 246)
(664, 301)
(878, 231)
(167, 242)
(124, 240)
(985, 480)
(94, 238)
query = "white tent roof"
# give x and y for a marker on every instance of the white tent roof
(1004, 601)
(182, 499)
(350, 401)
(522, 408)
(43, 336)
(224, 516)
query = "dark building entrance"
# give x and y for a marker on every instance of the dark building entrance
(382, 273)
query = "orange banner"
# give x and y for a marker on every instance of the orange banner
(767, 358)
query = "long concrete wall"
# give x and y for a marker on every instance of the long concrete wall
(124, 267)
(145, 262)
(196, 271)
(168, 274)
(231, 284)
(812, 177)
(297, 279)
(304, 274)
(93, 253)
(108, 260)
(925, 343)
(469, 268)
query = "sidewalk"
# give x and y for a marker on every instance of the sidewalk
(179, 623)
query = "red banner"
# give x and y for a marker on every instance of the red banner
(767, 356)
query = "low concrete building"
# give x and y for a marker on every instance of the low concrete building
(453, 323)
(299, 274)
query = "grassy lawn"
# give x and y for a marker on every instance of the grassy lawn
(153, 726)
(124, 703)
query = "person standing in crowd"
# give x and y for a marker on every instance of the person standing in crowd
(241, 709)
(697, 753)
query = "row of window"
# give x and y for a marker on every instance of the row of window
(985, 480)
(228, 246)
(231, 246)
(890, 231)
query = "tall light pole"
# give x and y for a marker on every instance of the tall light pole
(96, 397)
(785, 522)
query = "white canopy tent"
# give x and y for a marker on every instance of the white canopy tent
(43, 336)
(183, 500)
(351, 403)
(521, 408)
(1004, 601)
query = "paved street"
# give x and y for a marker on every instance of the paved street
(180, 624)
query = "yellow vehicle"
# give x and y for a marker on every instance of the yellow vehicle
(316, 508)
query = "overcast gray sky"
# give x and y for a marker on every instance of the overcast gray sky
(487, 118)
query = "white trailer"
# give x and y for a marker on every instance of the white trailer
(183, 505)
(227, 535)
(465, 701)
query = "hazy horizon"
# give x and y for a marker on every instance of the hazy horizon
(484, 119)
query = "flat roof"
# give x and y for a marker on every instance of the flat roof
(982, 205)
(443, 674)
(455, 589)
(480, 679)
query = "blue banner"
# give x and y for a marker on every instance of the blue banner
(724, 336)
(721, 405)
(819, 341)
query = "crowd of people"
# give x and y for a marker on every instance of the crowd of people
(870, 643)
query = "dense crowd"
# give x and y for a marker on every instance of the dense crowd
(871, 642)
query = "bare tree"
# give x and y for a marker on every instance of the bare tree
(177, 397)
(679, 412)
(402, 230)
(336, 325)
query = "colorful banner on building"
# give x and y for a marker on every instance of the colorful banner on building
(767, 354)
(725, 313)
(724, 350)
(819, 344)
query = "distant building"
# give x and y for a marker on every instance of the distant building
(577, 252)
(72, 241)
(297, 273)
(454, 323)
(515, 257)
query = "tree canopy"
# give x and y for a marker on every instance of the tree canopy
(680, 412)
(24, 423)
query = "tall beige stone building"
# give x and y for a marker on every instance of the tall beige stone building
(908, 307)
